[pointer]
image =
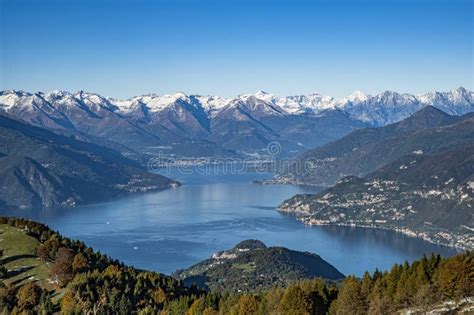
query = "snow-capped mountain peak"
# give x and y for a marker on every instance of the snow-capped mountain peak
(58, 94)
(455, 102)
(264, 95)
(158, 103)
(12, 100)
(261, 95)
(311, 103)
(358, 96)
(9, 98)
(383, 108)
(212, 104)
(461, 95)
(94, 101)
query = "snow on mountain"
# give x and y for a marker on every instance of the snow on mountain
(297, 104)
(23, 102)
(85, 101)
(258, 105)
(390, 107)
(454, 102)
(212, 104)
(356, 97)
(261, 95)
(94, 101)
(125, 106)
(384, 108)
(61, 99)
(10, 98)
(312, 103)
(154, 103)
(246, 123)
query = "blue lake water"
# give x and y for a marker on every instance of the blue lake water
(178, 227)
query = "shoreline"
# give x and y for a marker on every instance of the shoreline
(307, 222)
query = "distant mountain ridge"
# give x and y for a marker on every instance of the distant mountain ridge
(251, 265)
(223, 127)
(378, 110)
(363, 151)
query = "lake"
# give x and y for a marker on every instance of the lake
(176, 228)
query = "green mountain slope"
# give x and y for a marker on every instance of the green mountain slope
(251, 265)
(42, 272)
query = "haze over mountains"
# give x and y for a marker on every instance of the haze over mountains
(194, 125)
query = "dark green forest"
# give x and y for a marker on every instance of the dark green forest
(86, 281)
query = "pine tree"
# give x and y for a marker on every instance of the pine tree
(455, 276)
(197, 307)
(365, 289)
(248, 304)
(296, 301)
(80, 263)
(349, 299)
(378, 302)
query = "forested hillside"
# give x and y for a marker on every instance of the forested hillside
(61, 275)
(252, 266)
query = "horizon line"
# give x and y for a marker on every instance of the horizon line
(235, 97)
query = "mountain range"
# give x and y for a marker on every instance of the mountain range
(416, 176)
(39, 169)
(251, 266)
(61, 149)
(213, 126)
(365, 150)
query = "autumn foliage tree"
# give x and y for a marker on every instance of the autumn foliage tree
(62, 269)
(296, 301)
(248, 304)
(28, 296)
(47, 250)
(80, 263)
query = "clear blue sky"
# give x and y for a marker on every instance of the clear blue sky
(126, 48)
